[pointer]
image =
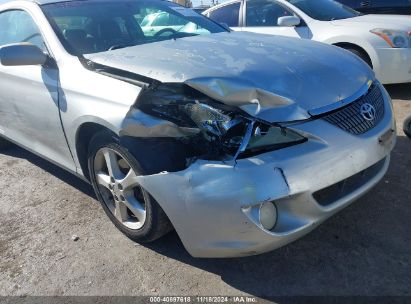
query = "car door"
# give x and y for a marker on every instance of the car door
(29, 106)
(261, 16)
(228, 14)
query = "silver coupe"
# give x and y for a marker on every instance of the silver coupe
(240, 142)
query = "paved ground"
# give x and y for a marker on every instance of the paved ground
(364, 250)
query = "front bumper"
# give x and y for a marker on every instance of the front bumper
(208, 203)
(393, 65)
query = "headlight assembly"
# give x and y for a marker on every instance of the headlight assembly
(266, 138)
(225, 132)
(396, 39)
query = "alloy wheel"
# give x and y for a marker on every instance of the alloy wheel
(119, 188)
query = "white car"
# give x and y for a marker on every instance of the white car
(157, 24)
(383, 41)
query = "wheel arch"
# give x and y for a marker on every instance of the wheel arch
(162, 154)
(346, 45)
(85, 132)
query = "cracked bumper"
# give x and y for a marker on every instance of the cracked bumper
(207, 202)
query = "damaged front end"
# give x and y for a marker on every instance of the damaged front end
(198, 127)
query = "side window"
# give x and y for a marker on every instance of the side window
(175, 20)
(227, 14)
(18, 26)
(265, 13)
(161, 20)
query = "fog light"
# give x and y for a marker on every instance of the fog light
(268, 215)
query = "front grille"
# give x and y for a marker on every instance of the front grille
(350, 118)
(333, 193)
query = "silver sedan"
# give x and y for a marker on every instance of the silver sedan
(240, 142)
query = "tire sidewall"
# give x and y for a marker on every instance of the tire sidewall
(361, 55)
(105, 140)
(407, 127)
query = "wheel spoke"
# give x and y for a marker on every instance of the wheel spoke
(103, 180)
(112, 164)
(119, 188)
(130, 181)
(121, 212)
(136, 208)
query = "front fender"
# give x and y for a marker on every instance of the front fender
(361, 43)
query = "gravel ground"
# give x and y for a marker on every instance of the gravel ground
(364, 250)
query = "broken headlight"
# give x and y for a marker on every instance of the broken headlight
(225, 132)
(266, 137)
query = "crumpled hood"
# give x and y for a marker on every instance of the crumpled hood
(370, 22)
(272, 77)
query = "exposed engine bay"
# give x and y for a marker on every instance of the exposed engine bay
(205, 128)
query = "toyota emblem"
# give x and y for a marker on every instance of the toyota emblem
(368, 112)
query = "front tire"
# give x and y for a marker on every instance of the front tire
(407, 127)
(113, 173)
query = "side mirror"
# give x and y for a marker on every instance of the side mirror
(225, 25)
(289, 21)
(22, 54)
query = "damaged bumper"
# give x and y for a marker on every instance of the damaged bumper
(209, 203)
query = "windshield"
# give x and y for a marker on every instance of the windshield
(86, 27)
(325, 10)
